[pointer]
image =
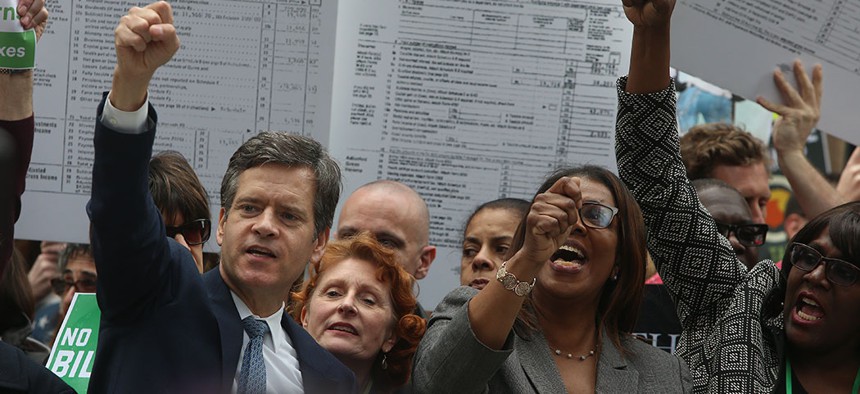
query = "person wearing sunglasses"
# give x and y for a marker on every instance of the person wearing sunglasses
(559, 313)
(182, 200)
(733, 218)
(77, 274)
(759, 330)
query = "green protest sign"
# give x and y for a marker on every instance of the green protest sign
(75, 346)
(17, 47)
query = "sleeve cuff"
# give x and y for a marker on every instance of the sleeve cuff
(125, 122)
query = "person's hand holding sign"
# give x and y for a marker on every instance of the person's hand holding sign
(33, 15)
(21, 25)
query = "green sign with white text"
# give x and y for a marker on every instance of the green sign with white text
(17, 46)
(75, 347)
(18, 50)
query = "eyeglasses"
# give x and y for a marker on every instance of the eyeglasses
(747, 234)
(195, 232)
(86, 284)
(806, 258)
(597, 215)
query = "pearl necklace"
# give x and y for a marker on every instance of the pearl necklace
(558, 352)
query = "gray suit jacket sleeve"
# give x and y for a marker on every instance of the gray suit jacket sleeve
(450, 358)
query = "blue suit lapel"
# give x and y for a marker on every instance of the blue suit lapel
(229, 324)
(321, 371)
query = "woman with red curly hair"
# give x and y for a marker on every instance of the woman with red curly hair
(358, 305)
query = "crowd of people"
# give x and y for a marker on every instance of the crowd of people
(568, 292)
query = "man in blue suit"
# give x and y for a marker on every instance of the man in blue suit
(164, 327)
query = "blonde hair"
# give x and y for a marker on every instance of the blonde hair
(709, 145)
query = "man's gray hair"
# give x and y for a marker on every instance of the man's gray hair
(294, 151)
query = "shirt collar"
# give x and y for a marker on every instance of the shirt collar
(278, 335)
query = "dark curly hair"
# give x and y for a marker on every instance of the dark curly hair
(409, 328)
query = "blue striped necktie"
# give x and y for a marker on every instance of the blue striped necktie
(252, 376)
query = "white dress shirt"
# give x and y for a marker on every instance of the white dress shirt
(125, 122)
(282, 361)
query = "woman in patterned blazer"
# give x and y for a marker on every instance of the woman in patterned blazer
(757, 331)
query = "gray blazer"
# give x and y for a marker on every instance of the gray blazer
(451, 360)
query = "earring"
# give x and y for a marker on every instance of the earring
(615, 277)
(384, 361)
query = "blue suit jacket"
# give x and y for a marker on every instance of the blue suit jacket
(164, 327)
(20, 374)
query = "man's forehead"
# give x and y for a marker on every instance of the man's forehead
(750, 180)
(378, 227)
(397, 195)
(731, 216)
(726, 205)
(396, 208)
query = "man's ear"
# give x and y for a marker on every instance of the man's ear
(222, 218)
(319, 245)
(428, 254)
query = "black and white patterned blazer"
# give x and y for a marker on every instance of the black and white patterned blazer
(727, 341)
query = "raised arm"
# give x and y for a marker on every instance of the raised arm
(698, 266)
(649, 56)
(16, 145)
(128, 236)
(849, 182)
(145, 40)
(798, 116)
(16, 131)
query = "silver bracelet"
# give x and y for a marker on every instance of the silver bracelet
(510, 282)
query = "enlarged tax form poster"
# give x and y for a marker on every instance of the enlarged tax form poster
(737, 44)
(464, 101)
(471, 101)
(244, 67)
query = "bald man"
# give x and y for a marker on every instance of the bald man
(399, 219)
